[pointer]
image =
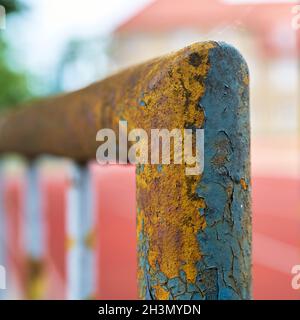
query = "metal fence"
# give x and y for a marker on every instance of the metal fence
(193, 232)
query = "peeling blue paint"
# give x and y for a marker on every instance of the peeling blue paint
(226, 241)
(223, 270)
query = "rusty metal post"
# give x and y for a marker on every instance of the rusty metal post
(194, 232)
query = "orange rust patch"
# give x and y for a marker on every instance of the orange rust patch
(162, 93)
(172, 221)
(243, 184)
(90, 239)
(161, 293)
(70, 243)
(167, 197)
(246, 79)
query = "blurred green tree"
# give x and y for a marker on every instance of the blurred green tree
(11, 5)
(13, 84)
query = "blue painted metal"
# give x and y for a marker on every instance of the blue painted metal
(194, 234)
(172, 265)
(79, 228)
(34, 244)
(226, 241)
(34, 234)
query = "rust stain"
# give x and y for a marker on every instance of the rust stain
(162, 93)
(172, 220)
(70, 243)
(66, 125)
(90, 239)
(35, 280)
(169, 219)
(246, 80)
(243, 184)
(161, 293)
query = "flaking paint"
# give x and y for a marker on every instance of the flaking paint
(193, 232)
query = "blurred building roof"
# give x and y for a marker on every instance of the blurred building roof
(270, 22)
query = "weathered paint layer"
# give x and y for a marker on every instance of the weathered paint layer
(193, 231)
(226, 240)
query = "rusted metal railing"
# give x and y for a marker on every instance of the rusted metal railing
(193, 232)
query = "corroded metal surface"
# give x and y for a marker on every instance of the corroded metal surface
(194, 232)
